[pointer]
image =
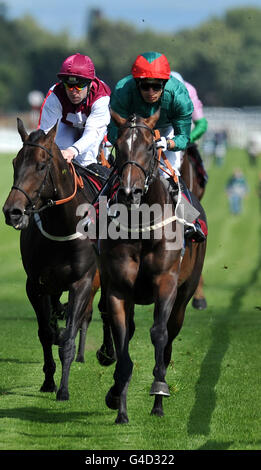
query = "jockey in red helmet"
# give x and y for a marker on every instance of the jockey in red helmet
(148, 88)
(80, 102)
(151, 65)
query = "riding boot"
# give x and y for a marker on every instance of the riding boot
(194, 231)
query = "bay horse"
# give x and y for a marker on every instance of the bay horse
(189, 175)
(43, 204)
(145, 270)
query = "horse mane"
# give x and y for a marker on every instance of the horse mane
(132, 119)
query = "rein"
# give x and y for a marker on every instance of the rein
(160, 153)
(157, 155)
(148, 175)
(50, 202)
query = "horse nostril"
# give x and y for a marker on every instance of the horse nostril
(137, 192)
(12, 215)
(16, 217)
(124, 192)
(16, 213)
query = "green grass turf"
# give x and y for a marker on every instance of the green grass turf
(214, 376)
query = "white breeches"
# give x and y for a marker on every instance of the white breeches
(174, 158)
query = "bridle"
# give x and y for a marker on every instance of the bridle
(149, 174)
(50, 202)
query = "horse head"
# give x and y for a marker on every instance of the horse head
(136, 156)
(31, 184)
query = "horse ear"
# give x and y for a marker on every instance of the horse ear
(52, 132)
(119, 121)
(151, 121)
(21, 130)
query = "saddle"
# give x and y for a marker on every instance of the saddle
(94, 176)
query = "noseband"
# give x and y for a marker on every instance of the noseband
(148, 175)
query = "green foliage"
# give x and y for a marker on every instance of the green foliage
(30, 58)
(221, 57)
(214, 376)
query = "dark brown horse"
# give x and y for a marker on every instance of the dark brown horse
(44, 203)
(149, 265)
(189, 175)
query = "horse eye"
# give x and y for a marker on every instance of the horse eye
(40, 166)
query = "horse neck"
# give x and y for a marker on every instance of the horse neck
(158, 193)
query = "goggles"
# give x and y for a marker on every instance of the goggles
(79, 86)
(145, 86)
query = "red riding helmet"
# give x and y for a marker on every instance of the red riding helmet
(78, 65)
(151, 65)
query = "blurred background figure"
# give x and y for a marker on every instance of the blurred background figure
(254, 147)
(236, 189)
(220, 147)
(35, 100)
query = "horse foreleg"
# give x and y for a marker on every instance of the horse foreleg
(42, 308)
(87, 319)
(82, 340)
(175, 322)
(167, 287)
(83, 331)
(79, 295)
(106, 354)
(122, 328)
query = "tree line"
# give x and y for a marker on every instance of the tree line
(221, 57)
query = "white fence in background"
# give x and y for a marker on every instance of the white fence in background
(10, 140)
(239, 123)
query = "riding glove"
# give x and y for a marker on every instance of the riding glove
(162, 143)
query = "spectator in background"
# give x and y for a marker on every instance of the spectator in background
(236, 189)
(220, 145)
(254, 147)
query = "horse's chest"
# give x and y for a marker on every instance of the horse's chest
(58, 272)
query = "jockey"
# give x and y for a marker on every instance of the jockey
(149, 87)
(200, 126)
(80, 102)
